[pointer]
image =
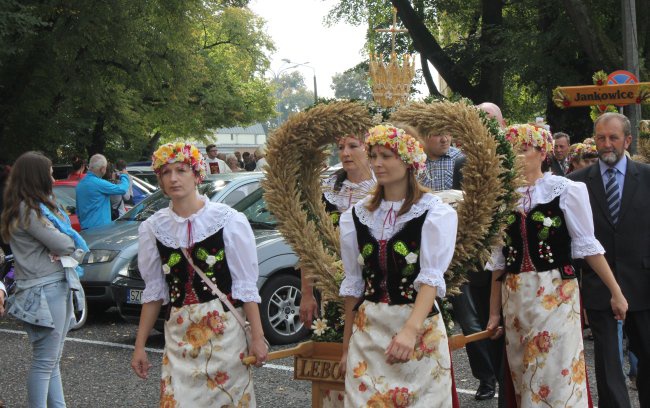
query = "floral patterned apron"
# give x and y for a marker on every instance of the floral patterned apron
(424, 381)
(544, 339)
(202, 360)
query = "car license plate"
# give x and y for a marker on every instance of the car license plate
(134, 296)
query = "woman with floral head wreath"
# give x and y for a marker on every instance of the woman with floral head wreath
(395, 246)
(204, 343)
(534, 284)
(341, 190)
(582, 155)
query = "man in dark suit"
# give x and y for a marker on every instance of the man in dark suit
(619, 192)
(559, 159)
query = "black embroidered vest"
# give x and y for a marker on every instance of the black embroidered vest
(544, 232)
(333, 211)
(210, 256)
(390, 267)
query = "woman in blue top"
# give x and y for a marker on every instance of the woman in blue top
(43, 243)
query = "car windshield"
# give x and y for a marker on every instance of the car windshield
(143, 184)
(254, 208)
(65, 196)
(149, 177)
(157, 200)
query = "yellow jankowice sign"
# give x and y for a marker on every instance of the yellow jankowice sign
(621, 94)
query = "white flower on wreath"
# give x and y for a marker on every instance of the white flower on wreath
(411, 258)
(166, 269)
(360, 260)
(319, 326)
(548, 222)
(211, 260)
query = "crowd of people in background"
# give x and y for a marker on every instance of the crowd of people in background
(219, 163)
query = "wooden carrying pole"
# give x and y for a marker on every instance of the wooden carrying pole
(306, 349)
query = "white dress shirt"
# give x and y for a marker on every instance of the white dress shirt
(172, 231)
(574, 203)
(437, 244)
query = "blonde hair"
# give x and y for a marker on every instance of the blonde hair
(260, 152)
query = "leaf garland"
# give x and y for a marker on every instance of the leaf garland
(488, 179)
(296, 156)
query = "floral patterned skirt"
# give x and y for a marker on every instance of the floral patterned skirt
(424, 381)
(544, 339)
(202, 359)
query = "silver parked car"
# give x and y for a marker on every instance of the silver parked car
(279, 281)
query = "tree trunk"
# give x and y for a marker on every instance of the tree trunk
(98, 136)
(574, 121)
(428, 47)
(491, 83)
(643, 34)
(426, 74)
(151, 146)
(595, 43)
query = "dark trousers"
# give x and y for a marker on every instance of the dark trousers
(610, 380)
(484, 356)
(637, 328)
(481, 300)
(477, 352)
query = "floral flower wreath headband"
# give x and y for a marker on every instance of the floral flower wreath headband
(178, 153)
(531, 135)
(580, 151)
(405, 146)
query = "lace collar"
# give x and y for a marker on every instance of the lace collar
(172, 229)
(349, 194)
(545, 189)
(376, 219)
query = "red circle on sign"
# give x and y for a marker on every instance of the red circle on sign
(621, 77)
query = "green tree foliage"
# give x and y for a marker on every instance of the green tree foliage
(80, 77)
(291, 95)
(512, 53)
(352, 83)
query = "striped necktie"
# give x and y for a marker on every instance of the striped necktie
(612, 195)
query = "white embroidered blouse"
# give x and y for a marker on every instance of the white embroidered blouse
(172, 231)
(437, 245)
(349, 194)
(574, 203)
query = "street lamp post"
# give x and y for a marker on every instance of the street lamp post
(304, 64)
(276, 75)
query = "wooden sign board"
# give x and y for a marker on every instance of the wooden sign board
(620, 94)
(315, 369)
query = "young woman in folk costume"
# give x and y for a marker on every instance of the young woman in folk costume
(582, 155)
(341, 190)
(204, 342)
(535, 286)
(395, 246)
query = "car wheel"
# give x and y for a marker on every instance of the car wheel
(81, 316)
(280, 310)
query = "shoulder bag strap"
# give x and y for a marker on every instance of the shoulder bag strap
(215, 290)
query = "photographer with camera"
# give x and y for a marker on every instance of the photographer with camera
(93, 193)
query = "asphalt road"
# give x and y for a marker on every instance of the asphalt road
(96, 371)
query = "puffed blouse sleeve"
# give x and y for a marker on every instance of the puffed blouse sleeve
(241, 254)
(150, 266)
(574, 202)
(497, 261)
(352, 284)
(437, 247)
